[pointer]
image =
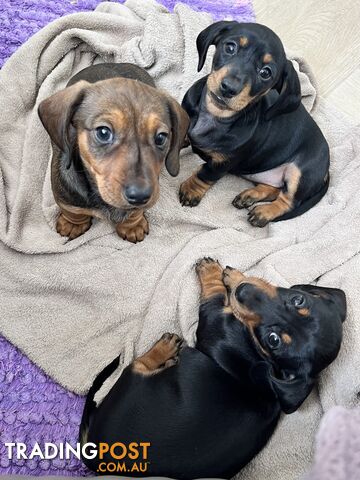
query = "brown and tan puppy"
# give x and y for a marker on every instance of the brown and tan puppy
(111, 132)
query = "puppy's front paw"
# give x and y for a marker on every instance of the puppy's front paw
(192, 191)
(245, 199)
(232, 277)
(67, 229)
(207, 267)
(261, 215)
(169, 347)
(164, 354)
(133, 232)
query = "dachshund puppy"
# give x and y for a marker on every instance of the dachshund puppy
(111, 131)
(246, 118)
(207, 411)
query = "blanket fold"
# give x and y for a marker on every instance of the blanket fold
(73, 306)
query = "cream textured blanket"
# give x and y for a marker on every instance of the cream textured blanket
(73, 306)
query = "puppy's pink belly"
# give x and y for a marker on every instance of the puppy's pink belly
(274, 177)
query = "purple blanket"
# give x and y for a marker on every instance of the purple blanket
(33, 408)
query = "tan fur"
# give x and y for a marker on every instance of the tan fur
(244, 41)
(284, 201)
(241, 100)
(134, 227)
(234, 104)
(215, 110)
(267, 58)
(232, 279)
(210, 274)
(218, 157)
(109, 174)
(161, 356)
(71, 224)
(286, 338)
(216, 77)
(259, 193)
(118, 119)
(194, 188)
(304, 312)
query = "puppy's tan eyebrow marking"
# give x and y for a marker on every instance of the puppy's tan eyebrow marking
(304, 312)
(152, 122)
(286, 338)
(116, 118)
(244, 41)
(267, 58)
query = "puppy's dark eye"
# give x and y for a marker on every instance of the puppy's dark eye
(161, 139)
(265, 73)
(298, 301)
(273, 340)
(230, 48)
(287, 376)
(104, 135)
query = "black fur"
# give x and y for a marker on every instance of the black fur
(273, 129)
(210, 414)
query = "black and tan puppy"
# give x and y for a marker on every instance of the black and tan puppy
(246, 118)
(112, 131)
(207, 411)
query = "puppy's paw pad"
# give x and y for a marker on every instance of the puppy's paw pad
(67, 229)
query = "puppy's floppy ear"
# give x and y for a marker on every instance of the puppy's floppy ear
(210, 36)
(179, 127)
(289, 90)
(337, 296)
(291, 393)
(57, 111)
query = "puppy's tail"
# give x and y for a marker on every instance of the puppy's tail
(307, 204)
(90, 404)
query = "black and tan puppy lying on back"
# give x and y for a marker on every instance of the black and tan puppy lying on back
(246, 118)
(112, 131)
(207, 411)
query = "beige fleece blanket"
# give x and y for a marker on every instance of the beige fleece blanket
(73, 306)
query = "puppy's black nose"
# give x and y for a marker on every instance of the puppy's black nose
(229, 88)
(136, 195)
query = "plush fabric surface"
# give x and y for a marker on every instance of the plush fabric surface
(337, 451)
(19, 19)
(73, 306)
(32, 406)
